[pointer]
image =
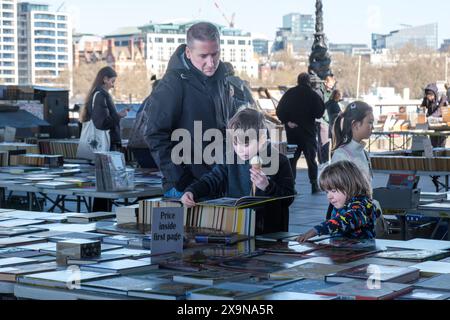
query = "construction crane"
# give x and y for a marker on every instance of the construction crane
(229, 21)
(60, 7)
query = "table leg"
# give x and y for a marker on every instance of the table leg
(403, 228)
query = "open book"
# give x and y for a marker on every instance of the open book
(240, 203)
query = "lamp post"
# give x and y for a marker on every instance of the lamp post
(319, 60)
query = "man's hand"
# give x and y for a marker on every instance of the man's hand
(188, 200)
(292, 125)
(123, 113)
(310, 234)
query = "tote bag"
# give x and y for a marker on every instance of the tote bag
(92, 140)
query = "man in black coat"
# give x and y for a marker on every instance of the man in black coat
(194, 89)
(298, 110)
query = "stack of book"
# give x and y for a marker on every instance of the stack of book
(68, 148)
(37, 160)
(111, 172)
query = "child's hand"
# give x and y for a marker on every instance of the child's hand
(259, 179)
(310, 234)
(188, 200)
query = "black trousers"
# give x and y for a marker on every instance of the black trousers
(308, 147)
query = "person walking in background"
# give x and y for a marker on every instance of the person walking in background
(100, 107)
(323, 125)
(433, 104)
(298, 110)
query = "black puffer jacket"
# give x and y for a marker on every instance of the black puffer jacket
(104, 115)
(183, 97)
(434, 107)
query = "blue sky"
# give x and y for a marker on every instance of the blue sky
(345, 20)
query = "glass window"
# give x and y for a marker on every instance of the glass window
(170, 40)
(158, 40)
(62, 26)
(241, 42)
(62, 34)
(231, 42)
(38, 24)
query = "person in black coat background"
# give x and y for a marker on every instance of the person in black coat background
(298, 110)
(236, 180)
(101, 109)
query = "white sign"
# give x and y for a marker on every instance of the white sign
(167, 230)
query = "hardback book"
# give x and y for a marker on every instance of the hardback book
(358, 290)
(304, 286)
(7, 262)
(19, 241)
(342, 255)
(10, 274)
(241, 203)
(19, 223)
(102, 258)
(19, 253)
(64, 279)
(90, 217)
(440, 282)
(164, 290)
(425, 294)
(277, 237)
(119, 240)
(135, 253)
(434, 195)
(227, 291)
(252, 266)
(222, 238)
(124, 266)
(18, 231)
(56, 185)
(121, 285)
(287, 247)
(61, 236)
(380, 272)
(432, 268)
(291, 296)
(402, 181)
(210, 277)
(310, 270)
(414, 255)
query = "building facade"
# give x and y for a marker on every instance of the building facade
(296, 35)
(425, 36)
(350, 49)
(8, 42)
(162, 40)
(45, 44)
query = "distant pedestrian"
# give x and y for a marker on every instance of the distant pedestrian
(298, 110)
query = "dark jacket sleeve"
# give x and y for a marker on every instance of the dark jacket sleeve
(104, 115)
(163, 117)
(283, 108)
(333, 110)
(318, 105)
(211, 184)
(282, 184)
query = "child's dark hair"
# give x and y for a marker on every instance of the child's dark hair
(345, 177)
(342, 130)
(245, 120)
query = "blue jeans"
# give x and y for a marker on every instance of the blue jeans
(173, 194)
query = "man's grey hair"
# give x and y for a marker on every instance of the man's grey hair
(202, 31)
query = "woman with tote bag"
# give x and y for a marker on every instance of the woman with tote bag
(101, 121)
(101, 124)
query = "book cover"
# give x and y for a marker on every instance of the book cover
(19, 231)
(278, 236)
(19, 223)
(316, 271)
(440, 282)
(253, 266)
(432, 268)
(287, 247)
(291, 296)
(424, 294)
(358, 290)
(210, 277)
(304, 286)
(220, 293)
(10, 274)
(62, 279)
(240, 203)
(167, 290)
(381, 272)
(402, 181)
(414, 255)
(124, 266)
(19, 241)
